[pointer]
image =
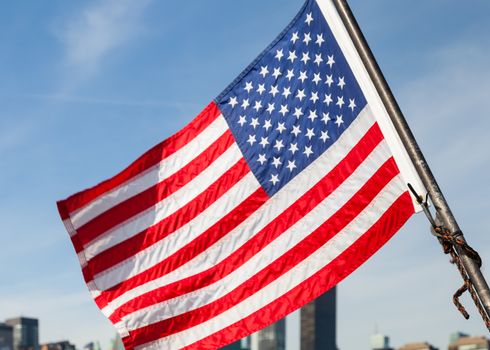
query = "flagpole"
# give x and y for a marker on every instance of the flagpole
(441, 206)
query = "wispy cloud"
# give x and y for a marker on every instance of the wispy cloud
(99, 30)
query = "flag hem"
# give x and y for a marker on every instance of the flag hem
(405, 164)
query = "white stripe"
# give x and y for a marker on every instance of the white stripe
(152, 255)
(166, 168)
(290, 238)
(294, 277)
(267, 212)
(167, 206)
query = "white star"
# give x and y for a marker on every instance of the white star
(245, 103)
(290, 74)
(286, 92)
(264, 71)
(274, 90)
(258, 105)
(340, 101)
(263, 141)
(293, 148)
(309, 18)
(341, 83)
(267, 125)
(248, 86)
(339, 121)
(295, 37)
(352, 104)
(242, 120)
(307, 151)
(254, 122)
(277, 73)
(292, 56)
(291, 165)
(279, 54)
(297, 112)
(262, 159)
(307, 38)
(301, 94)
(306, 57)
(270, 108)
(296, 130)
(284, 110)
(302, 76)
(316, 78)
(274, 179)
(232, 102)
(330, 61)
(318, 59)
(324, 136)
(261, 89)
(326, 117)
(313, 115)
(319, 40)
(251, 139)
(328, 99)
(280, 128)
(278, 145)
(314, 97)
(309, 133)
(329, 80)
(276, 162)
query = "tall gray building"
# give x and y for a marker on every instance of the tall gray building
(312, 328)
(6, 337)
(26, 333)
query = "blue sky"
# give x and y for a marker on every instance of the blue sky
(86, 87)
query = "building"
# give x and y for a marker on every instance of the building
(380, 342)
(453, 337)
(6, 337)
(25, 333)
(117, 343)
(62, 345)
(313, 327)
(417, 346)
(470, 343)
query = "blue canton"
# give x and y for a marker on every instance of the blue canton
(293, 102)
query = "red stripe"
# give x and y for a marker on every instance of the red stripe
(162, 229)
(193, 249)
(151, 196)
(294, 256)
(146, 161)
(329, 276)
(274, 229)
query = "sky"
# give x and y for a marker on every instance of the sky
(86, 87)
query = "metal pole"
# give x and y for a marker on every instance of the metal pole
(396, 115)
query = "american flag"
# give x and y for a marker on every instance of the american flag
(275, 192)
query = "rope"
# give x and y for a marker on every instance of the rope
(450, 243)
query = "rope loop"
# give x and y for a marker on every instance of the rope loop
(450, 242)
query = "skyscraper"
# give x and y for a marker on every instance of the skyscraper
(26, 333)
(6, 337)
(315, 329)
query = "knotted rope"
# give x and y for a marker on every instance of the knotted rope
(454, 245)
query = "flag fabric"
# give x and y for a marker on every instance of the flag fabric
(275, 192)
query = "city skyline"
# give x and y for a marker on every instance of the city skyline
(88, 87)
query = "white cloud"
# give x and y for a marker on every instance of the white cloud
(100, 29)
